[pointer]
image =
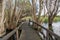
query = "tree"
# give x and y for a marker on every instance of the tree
(52, 8)
(2, 28)
(34, 17)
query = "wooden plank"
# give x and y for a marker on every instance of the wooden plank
(28, 33)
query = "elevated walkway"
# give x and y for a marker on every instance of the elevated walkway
(28, 33)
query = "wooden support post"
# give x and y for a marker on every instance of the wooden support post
(17, 35)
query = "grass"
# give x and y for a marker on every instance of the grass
(46, 20)
(56, 19)
(27, 18)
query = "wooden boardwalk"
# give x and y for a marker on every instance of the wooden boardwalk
(28, 33)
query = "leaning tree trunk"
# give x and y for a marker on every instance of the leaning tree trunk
(2, 8)
(39, 15)
(34, 17)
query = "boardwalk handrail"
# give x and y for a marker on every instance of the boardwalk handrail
(11, 33)
(49, 31)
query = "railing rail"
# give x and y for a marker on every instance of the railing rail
(49, 31)
(11, 33)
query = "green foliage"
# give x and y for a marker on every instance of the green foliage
(26, 7)
(46, 20)
(57, 19)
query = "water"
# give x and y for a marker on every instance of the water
(55, 26)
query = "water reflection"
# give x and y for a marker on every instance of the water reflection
(56, 27)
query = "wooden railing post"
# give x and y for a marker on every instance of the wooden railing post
(17, 34)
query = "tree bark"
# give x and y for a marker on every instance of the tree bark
(2, 28)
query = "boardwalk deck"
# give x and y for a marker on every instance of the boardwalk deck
(28, 33)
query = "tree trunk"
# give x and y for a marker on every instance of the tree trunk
(2, 28)
(49, 36)
(50, 23)
(34, 12)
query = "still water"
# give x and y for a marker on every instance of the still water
(56, 27)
